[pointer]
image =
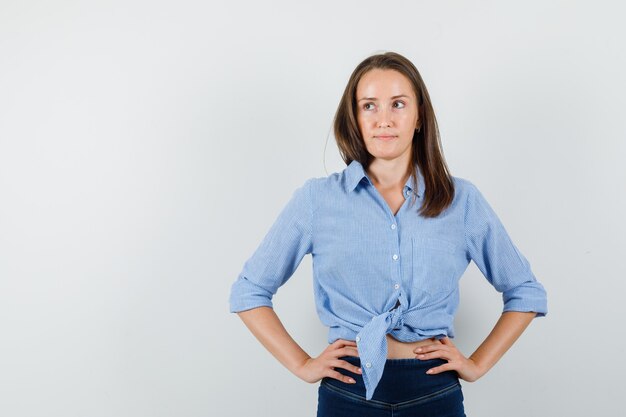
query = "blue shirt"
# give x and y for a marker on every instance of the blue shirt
(375, 272)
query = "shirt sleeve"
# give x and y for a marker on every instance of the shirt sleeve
(278, 255)
(500, 261)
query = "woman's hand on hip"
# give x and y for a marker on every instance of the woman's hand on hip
(314, 369)
(467, 369)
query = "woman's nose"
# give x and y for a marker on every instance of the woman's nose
(384, 123)
(384, 118)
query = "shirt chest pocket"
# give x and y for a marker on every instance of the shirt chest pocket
(434, 266)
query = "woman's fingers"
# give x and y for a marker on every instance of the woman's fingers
(337, 349)
(441, 368)
(456, 361)
(446, 341)
(443, 349)
(431, 348)
(347, 351)
(341, 377)
(348, 366)
(342, 342)
(441, 354)
(343, 348)
(314, 369)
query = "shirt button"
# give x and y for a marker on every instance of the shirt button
(396, 286)
(393, 226)
(368, 365)
(358, 339)
(395, 256)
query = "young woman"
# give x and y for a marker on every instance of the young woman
(390, 236)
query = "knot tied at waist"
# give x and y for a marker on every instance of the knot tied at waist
(372, 346)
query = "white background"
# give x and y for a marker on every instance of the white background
(147, 146)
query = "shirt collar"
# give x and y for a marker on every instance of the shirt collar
(354, 173)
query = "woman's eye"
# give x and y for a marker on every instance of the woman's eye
(402, 105)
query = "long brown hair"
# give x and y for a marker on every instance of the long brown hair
(426, 143)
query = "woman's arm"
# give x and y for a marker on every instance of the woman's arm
(507, 330)
(491, 248)
(269, 330)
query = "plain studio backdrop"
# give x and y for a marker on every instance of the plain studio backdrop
(147, 147)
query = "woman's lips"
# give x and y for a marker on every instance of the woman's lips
(385, 138)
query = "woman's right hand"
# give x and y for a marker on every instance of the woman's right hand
(314, 369)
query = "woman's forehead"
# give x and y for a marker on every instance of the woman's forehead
(383, 84)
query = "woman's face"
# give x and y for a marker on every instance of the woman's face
(387, 113)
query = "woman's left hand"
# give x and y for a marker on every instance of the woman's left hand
(467, 369)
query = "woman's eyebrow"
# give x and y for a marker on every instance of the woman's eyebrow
(374, 98)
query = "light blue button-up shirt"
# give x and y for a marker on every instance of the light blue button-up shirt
(375, 272)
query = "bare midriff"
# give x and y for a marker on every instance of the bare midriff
(401, 350)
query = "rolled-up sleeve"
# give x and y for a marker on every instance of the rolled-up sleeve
(500, 261)
(278, 255)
